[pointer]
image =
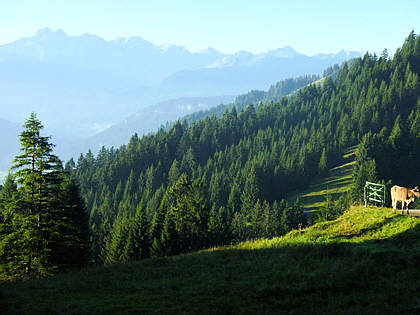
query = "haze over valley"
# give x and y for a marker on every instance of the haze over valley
(88, 90)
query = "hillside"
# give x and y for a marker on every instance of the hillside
(337, 181)
(191, 109)
(224, 180)
(144, 121)
(245, 162)
(364, 262)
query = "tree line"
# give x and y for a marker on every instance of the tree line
(224, 179)
(279, 146)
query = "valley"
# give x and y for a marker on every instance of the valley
(88, 90)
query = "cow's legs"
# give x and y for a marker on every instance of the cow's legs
(406, 203)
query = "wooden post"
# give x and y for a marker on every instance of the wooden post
(364, 195)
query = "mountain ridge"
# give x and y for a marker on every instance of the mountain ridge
(79, 84)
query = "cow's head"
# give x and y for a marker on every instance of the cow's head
(411, 197)
(416, 191)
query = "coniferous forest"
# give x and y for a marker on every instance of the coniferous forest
(214, 181)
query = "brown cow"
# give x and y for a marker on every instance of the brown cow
(403, 194)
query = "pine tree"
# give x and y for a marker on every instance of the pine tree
(7, 198)
(116, 243)
(137, 246)
(169, 243)
(239, 227)
(256, 220)
(250, 193)
(217, 226)
(327, 212)
(173, 173)
(44, 224)
(37, 213)
(75, 238)
(323, 164)
(293, 217)
(189, 212)
(158, 220)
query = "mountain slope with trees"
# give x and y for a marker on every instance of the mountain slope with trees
(237, 168)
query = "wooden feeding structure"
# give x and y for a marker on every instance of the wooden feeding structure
(374, 193)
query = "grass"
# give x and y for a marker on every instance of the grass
(318, 83)
(365, 262)
(337, 181)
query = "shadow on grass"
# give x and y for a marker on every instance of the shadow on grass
(368, 277)
(332, 184)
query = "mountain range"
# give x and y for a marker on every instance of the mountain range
(82, 85)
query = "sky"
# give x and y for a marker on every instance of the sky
(310, 27)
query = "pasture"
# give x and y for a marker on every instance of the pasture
(365, 262)
(336, 182)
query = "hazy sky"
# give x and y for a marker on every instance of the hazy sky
(229, 25)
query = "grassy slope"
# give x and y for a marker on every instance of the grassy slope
(364, 262)
(335, 183)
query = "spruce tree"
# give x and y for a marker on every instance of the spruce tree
(75, 239)
(250, 193)
(189, 212)
(158, 221)
(138, 243)
(323, 164)
(116, 243)
(169, 242)
(43, 224)
(38, 174)
(217, 226)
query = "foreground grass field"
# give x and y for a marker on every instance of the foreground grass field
(366, 262)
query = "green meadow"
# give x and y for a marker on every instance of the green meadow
(365, 262)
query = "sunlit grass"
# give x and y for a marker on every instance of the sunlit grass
(335, 183)
(363, 262)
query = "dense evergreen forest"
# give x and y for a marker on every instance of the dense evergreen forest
(220, 180)
(224, 179)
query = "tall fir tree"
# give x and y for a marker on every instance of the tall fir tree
(37, 213)
(76, 244)
(42, 228)
(138, 243)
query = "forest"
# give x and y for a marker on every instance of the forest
(213, 181)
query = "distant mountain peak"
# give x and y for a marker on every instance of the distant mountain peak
(136, 41)
(284, 52)
(243, 53)
(46, 33)
(174, 49)
(209, 51)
